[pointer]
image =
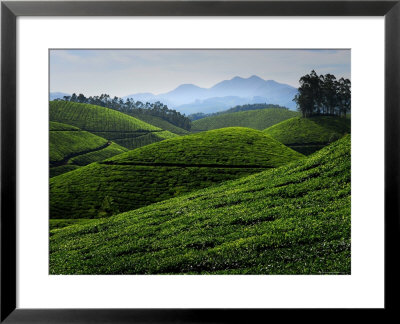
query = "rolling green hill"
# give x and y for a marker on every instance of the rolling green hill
(307, 135)
(159, 122)
(54, 126)
(163, 170)
(294, 219)
(70, 147)
(113, 125)
(60, 223)
(257, 119)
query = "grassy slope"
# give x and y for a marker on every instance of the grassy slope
(257, 119)
(61, 223)
(55, 171)
(307, 135)
(54, 126)
(76, 148)
(290, 220)
(159, 122)
(163, 170)
(85, 159)
(113, 125)
(66, 142)
(227, 146)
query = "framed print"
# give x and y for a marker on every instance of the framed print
(198, 161)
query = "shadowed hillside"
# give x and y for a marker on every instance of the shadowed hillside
(307, 135)
(257, 119)
(113, 125)
(159, 122)
(71, 147)
(163, 170)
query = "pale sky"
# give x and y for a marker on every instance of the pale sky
(124, 72)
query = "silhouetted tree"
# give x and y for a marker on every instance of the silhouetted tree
(323, 95)
(344, 96)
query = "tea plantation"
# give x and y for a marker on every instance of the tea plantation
(60, 223)
(54, 126)
(257, 119)
(110, 124)
(307, 135)
(222, 147)
(105, 153)
(159, 122)
(64, 143)
(71, 147)
(294, 219)
(163, 170)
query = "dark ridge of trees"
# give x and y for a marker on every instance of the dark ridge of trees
(127, 106)
(247, 107)
(323, 95)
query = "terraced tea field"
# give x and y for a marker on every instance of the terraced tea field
(159, 122)
(163, 170)
(61, 223)
(112, 125)
(71, 147)
(257, 119)
(307, 135)
(294, 219)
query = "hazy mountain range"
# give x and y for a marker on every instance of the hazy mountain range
(58, 95)
(189, 98)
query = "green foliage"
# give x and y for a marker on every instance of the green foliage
(143, 139)
(55, 171)
(323, 94)
(110, 124)
(129, 106)
(109, 151)
(66, 143)
(163, 170)
(257, 119)
(294, 219)
(71, 147)
(61, 223)
(54, 126)
(247, 107)
(307, 135)
(159, 122)
(225, 146)
(95, 118)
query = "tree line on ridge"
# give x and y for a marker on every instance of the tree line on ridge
(323, 95)
(127, 106)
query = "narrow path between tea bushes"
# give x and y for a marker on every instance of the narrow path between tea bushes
(70, 156)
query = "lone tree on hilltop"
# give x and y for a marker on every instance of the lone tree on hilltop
(323, 95)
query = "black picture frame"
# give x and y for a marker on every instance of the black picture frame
(9, 13)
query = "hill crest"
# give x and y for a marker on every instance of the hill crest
(257, 119)
(225, 147)
(163, 170)
(113, 125)
(306, 135)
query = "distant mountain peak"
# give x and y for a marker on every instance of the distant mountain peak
(255, 77)
(190, 98)
(252, 78)
(186, 86)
